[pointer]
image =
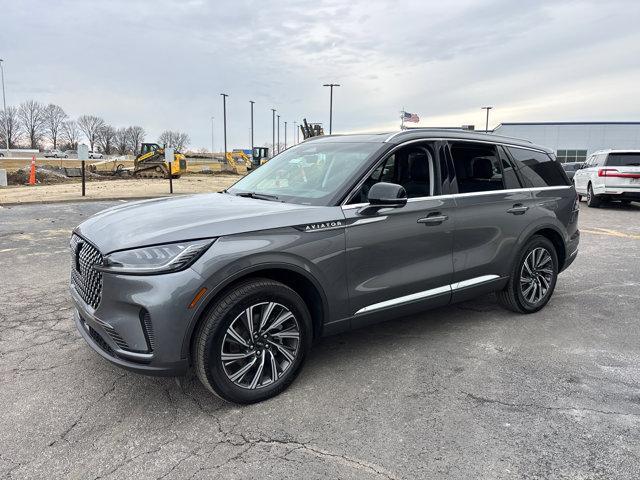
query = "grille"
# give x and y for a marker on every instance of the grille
(115, 336)
(86, 279)
(100, 341)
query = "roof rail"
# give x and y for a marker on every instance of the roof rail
(432, 129)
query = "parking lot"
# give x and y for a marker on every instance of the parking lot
(465, 391)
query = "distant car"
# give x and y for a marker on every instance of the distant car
(70, 152)
(95, 155)
(570, 168)
(609, 175)
(55, 154)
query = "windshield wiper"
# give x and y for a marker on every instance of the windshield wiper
(259, 196)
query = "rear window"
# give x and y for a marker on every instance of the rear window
(623, 160)
(537, 168)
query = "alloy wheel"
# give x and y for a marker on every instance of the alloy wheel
(260, 345)
(536, 275)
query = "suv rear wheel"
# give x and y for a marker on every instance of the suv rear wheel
(253, 341)
(593, 200)
(533, 278)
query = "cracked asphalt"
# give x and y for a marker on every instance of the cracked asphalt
(465, 391)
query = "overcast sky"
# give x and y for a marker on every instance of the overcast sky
(162, 63)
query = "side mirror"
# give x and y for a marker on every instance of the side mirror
(385, 195)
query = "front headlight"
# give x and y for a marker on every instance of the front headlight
(169, 257)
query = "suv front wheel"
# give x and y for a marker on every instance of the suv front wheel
(533, 278)
(253, 341)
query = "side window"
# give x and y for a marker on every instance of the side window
(601, 159)
(412, 167)
(477, 167)
(537, 168)
(509, 174)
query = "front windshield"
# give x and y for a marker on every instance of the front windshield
(310, 173)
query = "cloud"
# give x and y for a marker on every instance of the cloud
(163, 63)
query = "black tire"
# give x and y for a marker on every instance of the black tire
(512, 296)
(210, 335)
(593, 200)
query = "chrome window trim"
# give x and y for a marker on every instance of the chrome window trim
(428, 293)
(469, 194)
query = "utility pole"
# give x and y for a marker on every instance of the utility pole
(278, 133)
(224, 114)
(486, 128)
(212, 147)
(295, 129)
(331, 85)
(285, 135)
(4, 103)
(273, 132)
(251, 102)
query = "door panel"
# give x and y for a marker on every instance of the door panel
(399, 252)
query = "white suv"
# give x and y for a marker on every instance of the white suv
(609, 175)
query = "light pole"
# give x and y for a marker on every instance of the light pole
(285, 135)
(295, 129)
(251, 102)
(331, 85)
(212, 147)
(273, 132)
(224, 114)
(486, 128)
(4, 103)
(278, 133)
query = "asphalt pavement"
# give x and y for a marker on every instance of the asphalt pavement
(465, 391)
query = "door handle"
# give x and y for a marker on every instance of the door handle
(518, 209)
(433, 219)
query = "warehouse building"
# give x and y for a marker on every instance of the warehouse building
(573, 141)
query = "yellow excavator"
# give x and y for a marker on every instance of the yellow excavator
(150, 163)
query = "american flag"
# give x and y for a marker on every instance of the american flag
(410, 117)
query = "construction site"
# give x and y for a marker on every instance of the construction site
(127, 176)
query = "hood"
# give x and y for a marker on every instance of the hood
(173, 219)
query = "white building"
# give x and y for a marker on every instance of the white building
(573, 141)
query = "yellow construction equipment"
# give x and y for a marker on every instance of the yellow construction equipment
(150, 163)
(238, 161)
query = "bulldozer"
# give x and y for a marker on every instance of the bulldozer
(150, 163)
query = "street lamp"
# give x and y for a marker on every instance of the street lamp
(486, 128)
(273, 132)
(4, 103)
(285, 135)
(295, 130)
(212, 147)
(278, 133)
(331, 85)
(224, 113)
(251, 102)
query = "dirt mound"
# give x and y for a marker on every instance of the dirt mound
(45, 174)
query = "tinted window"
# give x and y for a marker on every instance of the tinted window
(411, 167)
(477, 167)
(509, 175)
(537, 168)
(623, 160)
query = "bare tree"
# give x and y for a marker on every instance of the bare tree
(32, 121)
(177, 140)
(106, 139)
(54, 119)
(10, 125)
(136, 137)
(71, 134)
(90, 125)
(121, 141)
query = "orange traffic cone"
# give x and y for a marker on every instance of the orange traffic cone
(32, 175)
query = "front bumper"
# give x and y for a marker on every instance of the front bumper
(141, 321)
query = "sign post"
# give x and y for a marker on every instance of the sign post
(83, 156)
(168, 157)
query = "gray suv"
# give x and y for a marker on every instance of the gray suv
(335, 233)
